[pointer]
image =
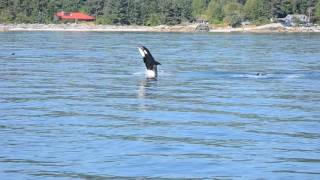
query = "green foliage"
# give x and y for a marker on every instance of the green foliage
(198, 7)
(103, 20)
(228, 11)
(172, 14)
(116, 12)
(258, 11)
(135, 13)
(215, 11)
(317, 12)
(153, 20)
(233, 13)
(155, 12)
(281, 8)
(186, 10)
(6, 16)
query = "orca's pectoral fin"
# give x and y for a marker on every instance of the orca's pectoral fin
(157, 63)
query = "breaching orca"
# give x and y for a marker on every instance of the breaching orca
(151, 64)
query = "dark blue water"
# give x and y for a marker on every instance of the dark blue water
(78, 105)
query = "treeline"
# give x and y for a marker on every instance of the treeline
(155, 12)
(257, 11)
(140, 12)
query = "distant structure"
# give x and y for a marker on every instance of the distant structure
(202, 21)
(295, 20)
(203, 25)
(245, 23)
(73, 16)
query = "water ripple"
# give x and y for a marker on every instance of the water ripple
(225, 106)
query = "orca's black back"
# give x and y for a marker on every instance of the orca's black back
(149, 61)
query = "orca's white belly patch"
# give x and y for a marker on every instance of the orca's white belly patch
(151, 74)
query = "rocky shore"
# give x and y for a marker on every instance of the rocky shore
(269, 28)
(95, 28)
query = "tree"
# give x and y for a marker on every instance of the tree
(154, 12)
(277, 9)
(258, 11)
(233, 13)
(94, 7)
(172, 14)
(215, 11)
(317, 12)
(135, 12)
(186, 10)
(242, 2)
(198, 7)
(153, 20)
(123, 12)
(111, 12)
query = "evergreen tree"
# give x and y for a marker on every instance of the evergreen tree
(233, 13)
(172, 14)
(258, 10)
(111, 12)
(215, 11)
(94, 7)
(277, 8)
(186, 10)
(198, 7)
(135, 12)
(155, 12)
(123, 12)
(317, 12)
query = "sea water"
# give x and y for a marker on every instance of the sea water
(77, 105)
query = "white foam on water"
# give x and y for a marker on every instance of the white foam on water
(251, 76)
(139, 73)
(145, 72)
(164, 73)
(293, 76)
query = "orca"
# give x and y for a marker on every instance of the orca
(150, 62)
(260, 74)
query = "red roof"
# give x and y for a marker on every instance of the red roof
(74, 16)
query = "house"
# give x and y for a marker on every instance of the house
(245, 23)
(202, 28)
(74, 16)
(294, 20)
(202, 21)
(202, 25)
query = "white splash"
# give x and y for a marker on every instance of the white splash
(293, 76)
(151, 74)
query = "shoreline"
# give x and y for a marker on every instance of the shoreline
(94, 28)
(268, 28)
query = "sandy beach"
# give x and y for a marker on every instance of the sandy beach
(269, 28)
